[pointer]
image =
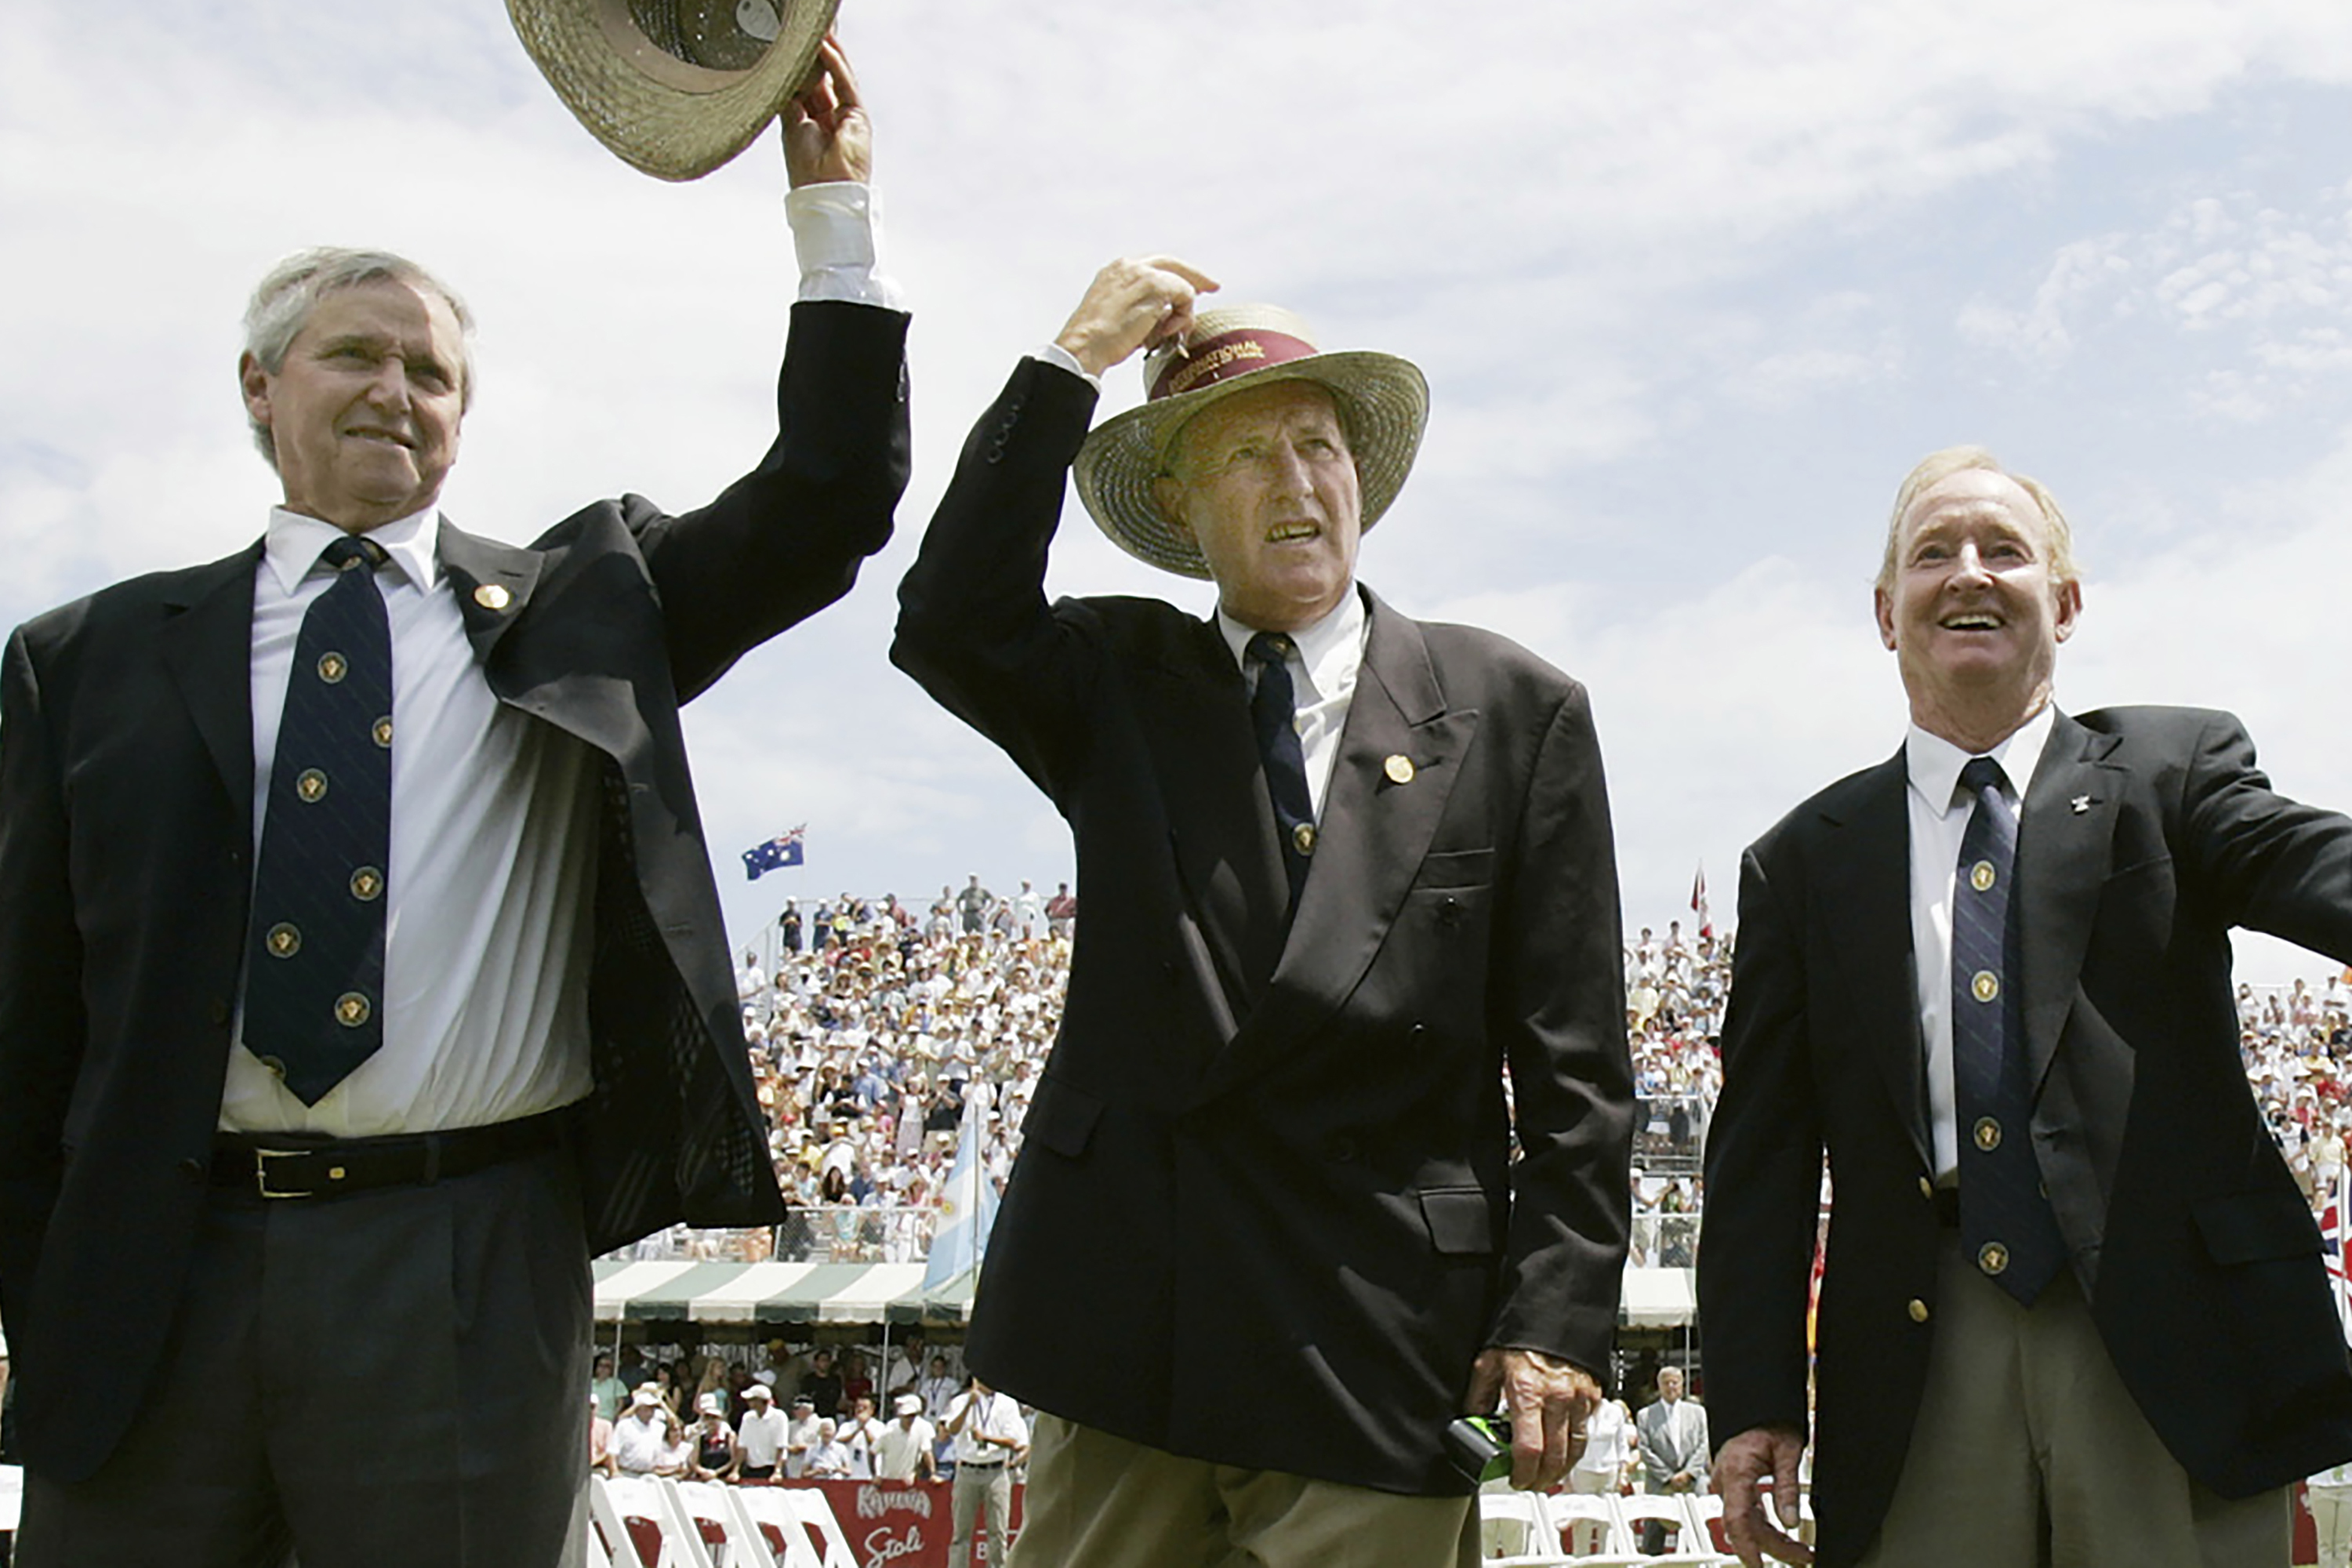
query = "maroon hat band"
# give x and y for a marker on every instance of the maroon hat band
(1225, 356)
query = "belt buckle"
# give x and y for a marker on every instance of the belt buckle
(261, 1158)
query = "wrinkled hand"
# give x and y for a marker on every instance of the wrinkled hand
(1548, 1399)
(1758, 1454)
(828, 135)
(1134, 302)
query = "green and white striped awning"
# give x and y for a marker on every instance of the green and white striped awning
(893, 1293)
(1657, 1298)
(775, 1293)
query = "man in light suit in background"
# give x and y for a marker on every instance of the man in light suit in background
(1673, 1433)
(2072, 1308)
(1266, 1235)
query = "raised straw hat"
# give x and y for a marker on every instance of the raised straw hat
(1383, 403)
(675, 86)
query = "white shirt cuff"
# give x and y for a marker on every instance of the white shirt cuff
(836, 235)
(1055, 353)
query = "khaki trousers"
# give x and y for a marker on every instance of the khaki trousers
(2029, 1450)
(1099, 1502)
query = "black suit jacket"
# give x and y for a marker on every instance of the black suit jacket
(1265, 1210)
(126, 835)
(2147, 833)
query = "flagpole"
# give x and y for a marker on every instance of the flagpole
(2343, 1291)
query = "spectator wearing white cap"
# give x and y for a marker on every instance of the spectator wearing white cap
(903, 1451)
(641, 1437)
(711, 1439)
(759, 1436)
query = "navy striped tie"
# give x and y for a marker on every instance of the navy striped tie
(2005, 1219)
(314, 969)
(1274, 713)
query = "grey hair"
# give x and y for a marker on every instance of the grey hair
(1936, 466)
(282, 302)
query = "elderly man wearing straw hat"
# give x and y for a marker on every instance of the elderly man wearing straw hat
(1276, 1222)
(361, 967)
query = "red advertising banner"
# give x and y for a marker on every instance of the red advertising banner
(902, 1524)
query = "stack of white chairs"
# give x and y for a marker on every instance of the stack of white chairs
(1515, 1531)
(796, 1516)
(1692, 1546)
(642, 1523)
(1571, 1530)
(727, 1534)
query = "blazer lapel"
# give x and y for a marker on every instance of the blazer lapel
(1864, 871)
(1376, 830)
(1220, 820)
(2065, 846)
(208, 647)
(492, 582)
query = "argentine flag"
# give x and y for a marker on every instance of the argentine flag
(968, 1204)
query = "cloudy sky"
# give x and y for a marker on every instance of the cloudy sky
(1693, 281)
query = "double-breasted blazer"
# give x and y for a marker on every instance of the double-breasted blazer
(2147, 834)
(126, 840)
(1272, 1198)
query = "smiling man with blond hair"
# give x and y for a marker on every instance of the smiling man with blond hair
(2071, 1309)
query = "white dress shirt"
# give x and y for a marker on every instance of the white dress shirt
(1939, 821)
(489, 885)
(992, 1414)
(1325, 660)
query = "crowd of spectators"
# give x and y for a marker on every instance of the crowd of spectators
(873, 1021)
(2297, 1044)
(770, 1412)
(871, 1024)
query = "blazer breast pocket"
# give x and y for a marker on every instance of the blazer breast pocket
(1454, 868)
(2253, 1227)
(1460, 1221)
(1061, 1117)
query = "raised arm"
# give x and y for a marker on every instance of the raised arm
(973, 625)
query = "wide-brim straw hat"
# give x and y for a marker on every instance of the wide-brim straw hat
(675, 86)
(1383, 401)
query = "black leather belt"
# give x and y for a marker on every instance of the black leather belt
(297, 1165)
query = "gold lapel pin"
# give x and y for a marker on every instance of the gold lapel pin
(491, 596)
(1399, 768)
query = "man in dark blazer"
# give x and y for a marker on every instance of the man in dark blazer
(2072, 1307)
(1266, 1235)
(250, 1316)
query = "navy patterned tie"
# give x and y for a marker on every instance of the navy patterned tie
(314, 965)
(2005, 1219)
(1274, 713)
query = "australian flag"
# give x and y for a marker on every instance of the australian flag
(783, 849)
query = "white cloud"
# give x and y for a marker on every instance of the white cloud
(1692, 282)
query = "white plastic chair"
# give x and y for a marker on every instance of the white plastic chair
(1690, 1546)
(1707, 1541)
(816, 1515)
(614, 1505)
(1515, 1531)
(709, 1508)
(776, 1519)
(1588, 1530)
